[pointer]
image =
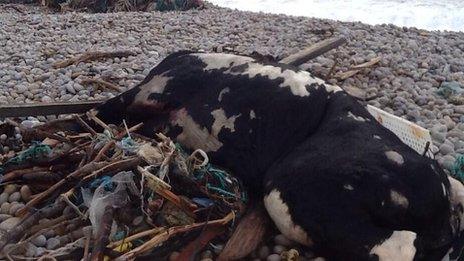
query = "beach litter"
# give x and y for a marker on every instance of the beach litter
(111, 194)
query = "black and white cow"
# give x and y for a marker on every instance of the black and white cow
(331, 177)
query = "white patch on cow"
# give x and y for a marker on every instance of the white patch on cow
(194, 136)
(279, 213)
(394, 157)
(156, 85)
(215, 61)
(457, 198)
(222, 93)
(399, 199)
(252, 115)
(348, 187)
(221, 121)
(356, 118)
(444, 189)
(399, 246)
(296, 81)
(377, 137)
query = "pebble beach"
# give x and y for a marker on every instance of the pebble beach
(414, 64)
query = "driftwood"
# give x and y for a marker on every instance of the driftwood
(247, 236)
(92, 56)
(42, 109)
(314, 51)
(100, 82)
(357, 68)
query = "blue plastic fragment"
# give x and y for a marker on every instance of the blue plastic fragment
(204, 202)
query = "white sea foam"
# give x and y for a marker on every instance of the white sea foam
(425, 14)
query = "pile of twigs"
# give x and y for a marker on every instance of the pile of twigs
(113, 194)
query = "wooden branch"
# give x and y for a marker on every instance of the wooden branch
(247, 236)
(100, 82)
(73, 177)
(162, 237)
(314, 51)
(357, 68)
(43, 109)
(92, 56)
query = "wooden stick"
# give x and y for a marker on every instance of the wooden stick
(137, 236)
(357, 68)
(150, 244)
(314, 51)
(43, 109)
(92, 56)
(100, 82)
(247, 235)
(85, 170)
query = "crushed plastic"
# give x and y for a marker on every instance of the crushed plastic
(458, 168)
(100, 198)
(128, 145)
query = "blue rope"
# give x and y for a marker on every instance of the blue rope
(458, 168)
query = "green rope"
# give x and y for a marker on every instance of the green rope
(36, 152)
(458, 168)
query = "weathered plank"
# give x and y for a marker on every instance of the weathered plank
(314, 51)
(43, 109)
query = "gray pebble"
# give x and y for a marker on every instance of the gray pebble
(4, 198)
(278, 249)
(446, 149)
(40, 251)
(5, 208)
(14, 207)
(15, 197)
(274, 257)
(263, 252)
(9, 189)
(10, 223)
(25, 193)
(282, 240)
(39, 241)
(4, 217)
(53, 243)
(31, 250)
(137, 221)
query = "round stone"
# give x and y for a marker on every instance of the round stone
(31, 250)
(39, 241)
(10, 223)
(446, 148)
(53, 243)
(4, 217)
(25, 193)
(282, 240)
(263, 252)
(278, 249)
(5, 208)
(9, 189)
(15, 197)
(14, 207)
(274, 257)
(4, 198)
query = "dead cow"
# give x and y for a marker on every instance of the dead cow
(331, 177)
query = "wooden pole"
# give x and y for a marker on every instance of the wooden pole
(313, 51)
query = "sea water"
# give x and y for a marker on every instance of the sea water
(424, 14)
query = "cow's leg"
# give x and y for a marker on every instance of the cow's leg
(348, 236)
